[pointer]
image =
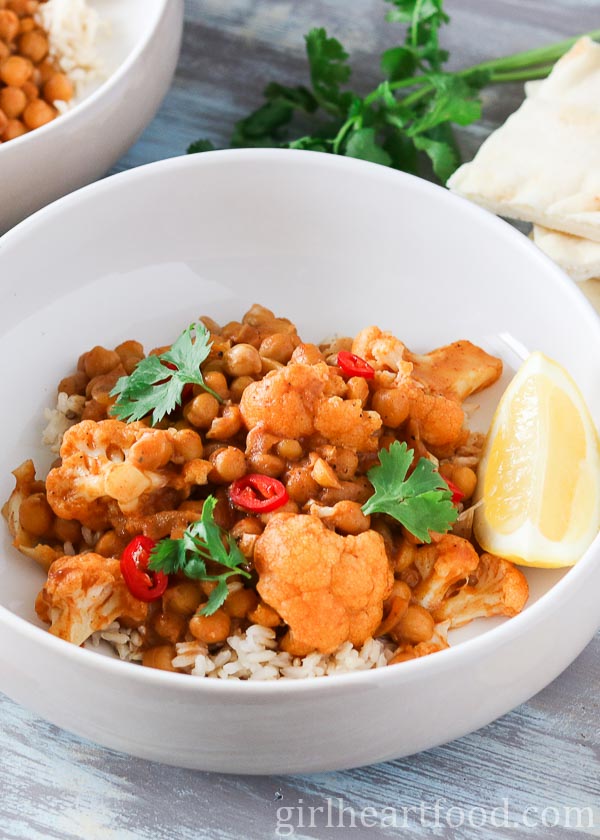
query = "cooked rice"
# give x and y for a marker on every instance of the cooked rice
(68, 411)
(73, 28)
(251, 655)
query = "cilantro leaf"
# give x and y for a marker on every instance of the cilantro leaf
(443, 155)
(421, 502)
(329, 70)
(362, 144)
(156, 383)
(201, 541)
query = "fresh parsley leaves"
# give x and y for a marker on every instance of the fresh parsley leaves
(157, 382)
(202, 541)
(421, 502)
(410, 115)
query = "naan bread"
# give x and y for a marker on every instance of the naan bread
(579, 257)
(543, 164)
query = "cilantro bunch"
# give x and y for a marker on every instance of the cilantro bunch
(412, 111)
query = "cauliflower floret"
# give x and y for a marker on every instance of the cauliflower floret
(383, 351)
(457, 370)
(127, 462)
(85, 593)
(329, 589)
(439, 420)
(442, 566)
(495, 588)
(302, 399)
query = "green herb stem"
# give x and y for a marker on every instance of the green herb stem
(530, 58)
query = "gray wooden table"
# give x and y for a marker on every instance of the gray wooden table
(534, 772)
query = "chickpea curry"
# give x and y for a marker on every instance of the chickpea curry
(31, 79)
(243, 478)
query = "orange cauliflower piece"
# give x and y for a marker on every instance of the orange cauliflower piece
(383, 351)
(299, 400)
(443, 565)
(329, 589)
(85, 593)
(496, 587)
(127, 462)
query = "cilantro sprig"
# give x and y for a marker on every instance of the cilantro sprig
(202, 540)
(421, 502)
(408, 116)
(157, 382)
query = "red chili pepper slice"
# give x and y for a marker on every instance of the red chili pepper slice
(353, 365)
(258, 493)
(457, 493)
(143, 583)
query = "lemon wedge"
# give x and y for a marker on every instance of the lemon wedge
(539, 476)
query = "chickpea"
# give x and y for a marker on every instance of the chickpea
(393, 406)
(110, 544)
(344, 461)
(99, 387)
(170, 626)
(240, 603)
(3, 123)
(4, 52)
(58, 87)
(357, 389)
(210, 324)
(74, 384)
(217, 382)
(229, 464)
(264, 615)
(22, 7)
(211, 628)
(151, 452)
(26, 24)
(35, 515)
(183, 598)
(160, 657)
(188, 446)
(226, 426)
(30, 90)
(99, 360)
(9, 25)
(12, 102)
(238, 386)
(277, 346)
(249, 525)
(45, 71)
(242, 360)
(263, 462)
(464, 478)
(416, 625)
(323, 474)
(94, 411)
(13, 129)
(348, 517)
(34, 45)
(307, 354)
(238, 333)
(258, 315)
(289, 450)
(67, 530)
(300, 485)
(15, 71)
(38, 113)
(202, 410)
(130, 353)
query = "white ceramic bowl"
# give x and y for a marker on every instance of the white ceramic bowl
(335, 244)
(139, 53)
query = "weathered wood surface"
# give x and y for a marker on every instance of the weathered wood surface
(545, 755)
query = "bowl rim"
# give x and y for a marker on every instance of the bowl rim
(66, 118)
(449, 659)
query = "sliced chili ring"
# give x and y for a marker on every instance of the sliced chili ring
(258, 493)
(144, 584)
(353, 365)
(457, 493)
